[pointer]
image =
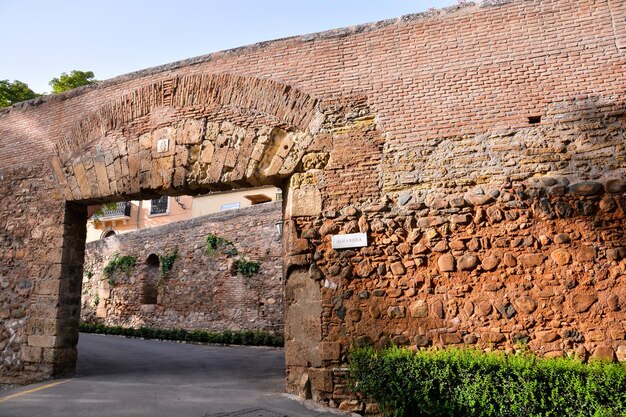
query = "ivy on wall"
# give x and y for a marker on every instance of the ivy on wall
(124, 263)
(215, 242)
(245, 267)
(167, 261)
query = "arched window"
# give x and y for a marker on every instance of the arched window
(108, 233)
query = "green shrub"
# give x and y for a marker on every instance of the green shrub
(215, 242)
(231, 337)
(473, 383)
(247, 268)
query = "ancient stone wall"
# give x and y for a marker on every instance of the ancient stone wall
(480, 147)
(203, 290)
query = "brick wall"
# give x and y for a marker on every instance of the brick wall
(202, 291)
(466, 69)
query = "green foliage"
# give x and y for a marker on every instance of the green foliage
(472, 383)
(14, 92)
(247, 268)
(230, 337)
(96, 300)
(242, 266)
(215, 242)
(167, 261)
(100, 212)
(75, 79)
(119, 263)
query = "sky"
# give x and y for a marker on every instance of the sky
(43, 38)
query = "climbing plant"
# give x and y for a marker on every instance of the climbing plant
(247, 268)
(215, 242)
(241, 265)
(167, 261)
(117, 263)
(96, 300)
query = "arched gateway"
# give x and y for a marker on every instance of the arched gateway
(200, 133)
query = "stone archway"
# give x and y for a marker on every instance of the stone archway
(194, 134)
(216, 131)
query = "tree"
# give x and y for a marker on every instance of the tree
(74, 79)
(14, 92)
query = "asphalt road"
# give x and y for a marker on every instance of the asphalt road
(119, 377)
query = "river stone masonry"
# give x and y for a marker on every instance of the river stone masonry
(539, 264)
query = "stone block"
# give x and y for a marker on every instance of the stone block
(586, 253)
(437, 309)
(48, 287)
(583, 302)
(304, 201)
(490, 263)
(450, 338)
(446, 263)
(419, 309)
(467, 262)
(605, 353)
(31, 354)
(397, 268)
(530, 260)
(190, 131)
(165, 135)
(353, 406)
(396, 312)
(321, 379)
(43, 341)
(586, 188)
(525, 304)
(561, 257)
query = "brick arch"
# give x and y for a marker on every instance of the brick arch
(221, 130)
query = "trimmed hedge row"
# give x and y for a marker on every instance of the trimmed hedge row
(473, 383)
(229, 337)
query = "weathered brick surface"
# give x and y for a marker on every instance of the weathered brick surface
(481, 148)
(202, 291)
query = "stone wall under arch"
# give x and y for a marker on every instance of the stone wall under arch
(203, 290)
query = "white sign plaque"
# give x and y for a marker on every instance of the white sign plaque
(352, 240)
(163, 145)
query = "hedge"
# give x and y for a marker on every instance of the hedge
(230, 337)
(473, 383)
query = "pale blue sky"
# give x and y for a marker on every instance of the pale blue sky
(43, 38)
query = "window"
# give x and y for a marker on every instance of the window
(159, 205)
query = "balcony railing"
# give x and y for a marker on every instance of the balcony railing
(121, 210)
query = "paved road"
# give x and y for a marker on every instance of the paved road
(119, 377)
